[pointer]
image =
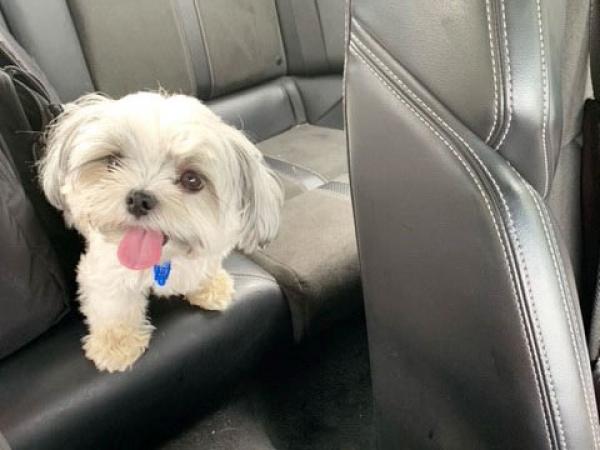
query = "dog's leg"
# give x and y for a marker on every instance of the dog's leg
(215, 293)
(119, 331)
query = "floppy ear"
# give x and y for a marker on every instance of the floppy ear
(261, 195)
(60, 139)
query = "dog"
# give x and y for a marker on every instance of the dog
(162, 190)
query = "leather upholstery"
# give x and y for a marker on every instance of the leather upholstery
(314, 260)
(474, 324)
(3, 22)
(272, 100)
(506, 59)
(313, 34)
(317, 149)
(50, 37)
(58, 400)
(322, 97)
(274, 115)
(112, 32)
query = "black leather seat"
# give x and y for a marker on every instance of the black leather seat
(457, 140)
(54, 398)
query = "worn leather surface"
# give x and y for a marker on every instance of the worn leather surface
(474, 325)
(314, 260)
(131, 45)
(54, 398)
(274, 115)
(243, 43)
(319, 150)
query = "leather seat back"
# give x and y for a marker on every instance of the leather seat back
(504, 69)
(234, 54)
(453, 115)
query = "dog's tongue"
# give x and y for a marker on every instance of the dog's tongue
(140, 249)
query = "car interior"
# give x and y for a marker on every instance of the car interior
(449, 141)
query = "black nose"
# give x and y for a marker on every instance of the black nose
(140, 203)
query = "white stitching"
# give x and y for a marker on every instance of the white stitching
(508, 77)
(559, 273)
(486, 200)
(589, 386)
(493, 58)
(545, 94)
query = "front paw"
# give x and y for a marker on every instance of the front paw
(215, 294)
(115, 349)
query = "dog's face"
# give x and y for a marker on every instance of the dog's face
(160, 163)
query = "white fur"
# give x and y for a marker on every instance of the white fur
(156, 137)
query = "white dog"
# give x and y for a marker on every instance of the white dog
(162, 190)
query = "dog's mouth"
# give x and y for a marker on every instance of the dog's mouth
(140, 248)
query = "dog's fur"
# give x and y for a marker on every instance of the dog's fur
(98, 150)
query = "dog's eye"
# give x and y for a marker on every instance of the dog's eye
(191, 181)
(113, 161)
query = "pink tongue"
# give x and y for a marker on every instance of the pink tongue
(140, 249)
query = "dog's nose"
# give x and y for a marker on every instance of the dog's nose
(140, 203)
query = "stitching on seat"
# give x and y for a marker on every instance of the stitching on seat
(508, 76)
(559, 273)
(494, 74)
(545, 94)
(582, 342)
(511, 228)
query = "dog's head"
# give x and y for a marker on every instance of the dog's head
(159, 163)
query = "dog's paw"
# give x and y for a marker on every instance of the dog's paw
(215, 294)
(115, 349)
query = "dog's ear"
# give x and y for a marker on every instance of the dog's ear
(60, 139)
(261, 195)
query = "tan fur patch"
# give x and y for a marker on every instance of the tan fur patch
(92, 173)
(215, 294)
(115, 349)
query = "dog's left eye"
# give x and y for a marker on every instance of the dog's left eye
(191, 181)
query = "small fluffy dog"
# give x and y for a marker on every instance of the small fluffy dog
(162, 190)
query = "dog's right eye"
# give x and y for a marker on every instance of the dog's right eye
(113, 161)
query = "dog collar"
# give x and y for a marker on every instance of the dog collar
(161, 273)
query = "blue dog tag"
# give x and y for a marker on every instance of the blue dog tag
(161, 273)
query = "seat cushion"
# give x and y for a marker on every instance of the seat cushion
(314, 258)
(59, 400)
(306, 155)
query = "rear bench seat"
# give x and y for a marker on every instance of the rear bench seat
(270, 68)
